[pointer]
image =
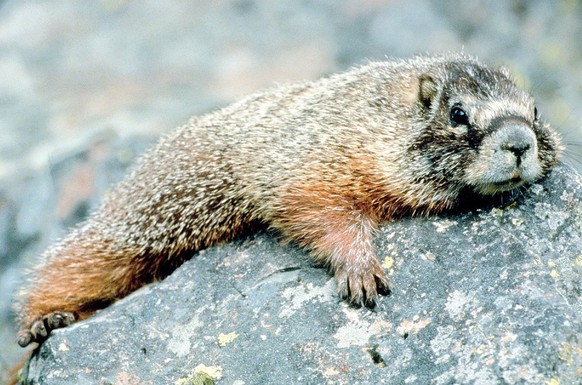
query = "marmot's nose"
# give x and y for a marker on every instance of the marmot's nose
(517, 139)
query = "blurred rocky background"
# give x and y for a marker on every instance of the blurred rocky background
(87, 86)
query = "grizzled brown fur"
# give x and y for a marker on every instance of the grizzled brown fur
(322, 162)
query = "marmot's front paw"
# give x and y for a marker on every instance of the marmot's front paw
(42, 326)
(362, 285)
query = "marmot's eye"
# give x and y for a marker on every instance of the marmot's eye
(535, 113)
(459, 117)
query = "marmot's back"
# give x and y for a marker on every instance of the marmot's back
(322, 162)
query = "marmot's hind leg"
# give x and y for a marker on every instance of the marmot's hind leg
(81, 275)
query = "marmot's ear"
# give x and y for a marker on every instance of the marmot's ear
(427, 90)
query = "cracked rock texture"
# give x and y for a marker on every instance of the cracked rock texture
(490, 296)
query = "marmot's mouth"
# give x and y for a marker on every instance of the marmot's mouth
(515, 181)
(508, 184)
(493, 188)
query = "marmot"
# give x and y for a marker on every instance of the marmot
(322, 162)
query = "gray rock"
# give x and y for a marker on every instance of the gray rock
(491, 296)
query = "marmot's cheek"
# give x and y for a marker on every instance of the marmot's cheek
(551, 147)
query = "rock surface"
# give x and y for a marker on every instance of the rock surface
(491, 296)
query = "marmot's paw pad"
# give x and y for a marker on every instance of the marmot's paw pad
(42, 326)
(362, 288)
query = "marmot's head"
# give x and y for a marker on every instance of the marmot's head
(479, 129)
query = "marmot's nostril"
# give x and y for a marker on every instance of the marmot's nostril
(518, 149)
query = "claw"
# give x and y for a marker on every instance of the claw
(383, 285)
(362, 289)
(42, 326)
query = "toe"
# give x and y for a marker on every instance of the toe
(370, 289)
(59, 320)
(54, 320)
(68, 318)
(39, 330)
(24, 338)
(342, 284)
(356, 290)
